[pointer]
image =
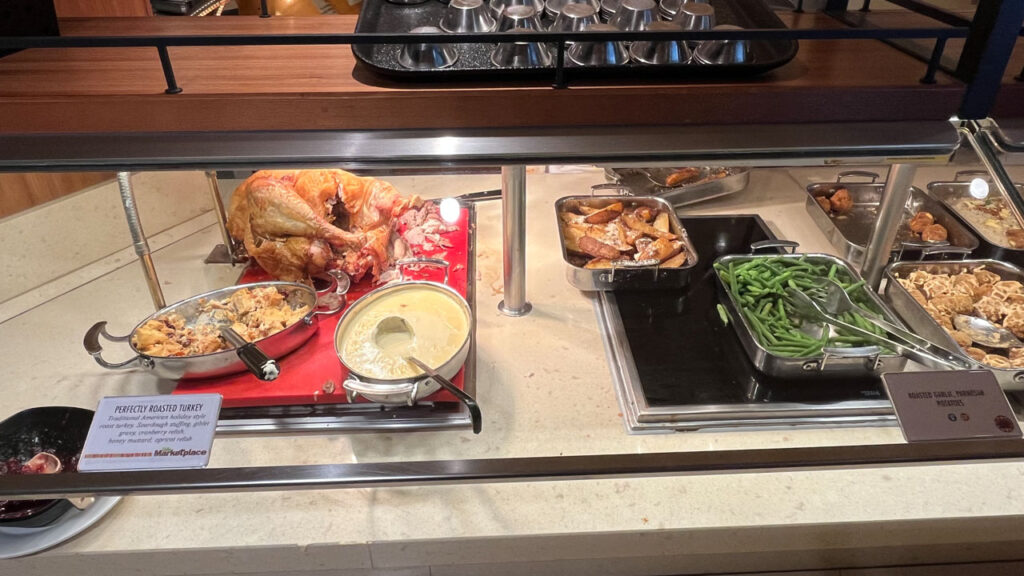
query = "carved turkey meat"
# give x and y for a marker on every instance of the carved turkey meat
(299, 223)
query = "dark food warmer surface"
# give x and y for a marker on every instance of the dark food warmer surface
(684, 355)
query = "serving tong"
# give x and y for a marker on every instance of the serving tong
(827, 299)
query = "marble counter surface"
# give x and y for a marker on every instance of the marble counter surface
(545, 390)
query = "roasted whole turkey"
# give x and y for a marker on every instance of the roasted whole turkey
(298, 223)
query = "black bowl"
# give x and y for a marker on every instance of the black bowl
(58, 430)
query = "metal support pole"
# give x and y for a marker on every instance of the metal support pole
(264, 11)
(131, 212)
(986, 54)
(513, 234)
(890, 213)
(221, 253)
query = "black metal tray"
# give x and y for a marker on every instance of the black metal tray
(380, 16)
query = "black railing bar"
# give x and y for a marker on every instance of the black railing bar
(933, 12)
(933, 63)
(489, 38)
(560, 80)
(165, 64)
(498, 470)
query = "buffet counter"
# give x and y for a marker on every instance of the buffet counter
(545, 388)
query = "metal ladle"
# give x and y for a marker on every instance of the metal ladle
(394, 335)
(986, 333)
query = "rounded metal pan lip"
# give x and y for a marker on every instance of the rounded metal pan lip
(400, 383)
(221, 293)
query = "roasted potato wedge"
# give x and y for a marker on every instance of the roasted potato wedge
(596, 248)
(572, 234)
(661, 249)
(661, 222)
(645, 213)
(606, 214)
(598, 263)
(637, 224)
(675, 261)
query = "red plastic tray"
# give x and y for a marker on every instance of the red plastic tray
(312, 374)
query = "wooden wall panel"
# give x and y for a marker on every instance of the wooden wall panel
(22, 191)
(89, 8)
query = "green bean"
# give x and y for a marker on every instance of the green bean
(723, 315)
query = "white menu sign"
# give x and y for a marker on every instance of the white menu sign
(151, 432)
(950, 405)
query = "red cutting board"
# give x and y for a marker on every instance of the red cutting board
(308, 373)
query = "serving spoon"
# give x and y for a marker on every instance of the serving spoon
(986, 333)
(394, 335)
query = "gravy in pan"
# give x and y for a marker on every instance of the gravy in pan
(439, 326)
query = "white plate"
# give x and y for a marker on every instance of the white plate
(15, 542)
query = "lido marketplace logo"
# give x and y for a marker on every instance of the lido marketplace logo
(183, 452)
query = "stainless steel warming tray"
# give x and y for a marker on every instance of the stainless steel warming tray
(956, 195)
(924, 325)
(651, 182)
(628, 276)
(222, 362)
(866, 361)
(850, 232)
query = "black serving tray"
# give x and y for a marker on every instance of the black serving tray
(381, 16)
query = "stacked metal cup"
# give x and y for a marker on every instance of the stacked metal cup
(634, 15)
(521, 54)
(575, 18)
(724, 52)
(696, 17)
(598, 53)
(427, 56)
(668, 9)
(467, 16)
(660, 51)
(552, 8)
(520, 16)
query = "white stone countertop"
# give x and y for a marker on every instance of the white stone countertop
(545, 390)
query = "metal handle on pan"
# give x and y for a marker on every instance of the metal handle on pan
(401, 265)
(858, 173)
(334, 296)
(650, 264)
(932, 250)
(355, 387)
(95, 349)
(766, 244)
(626, 190)
(924, 247)
(956, 177)
(869, 353)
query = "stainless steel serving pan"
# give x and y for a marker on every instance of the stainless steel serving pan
(922, 323)
(650, 182)
(850, 232)
(993, 244)
(626, 277)
(842, 362)
(222, 362)
(402, 391)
